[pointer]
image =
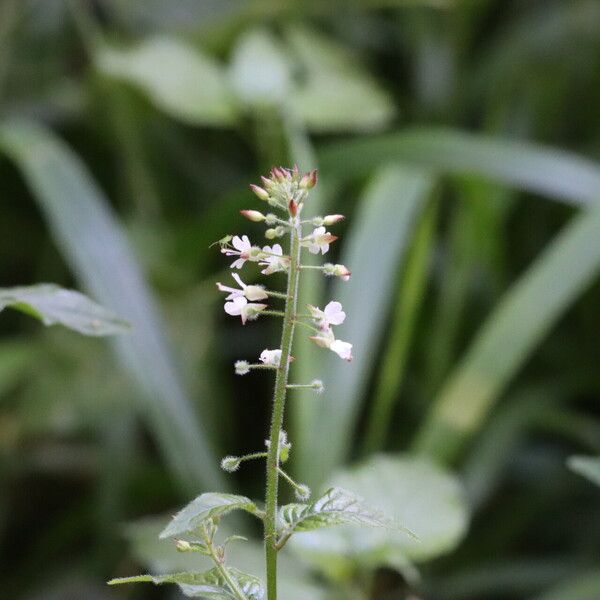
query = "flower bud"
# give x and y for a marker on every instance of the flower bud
(271, 219)
(253, 215)
(242, 367)
(231, 463)
(293, 207)
(302, 492)
(342, 272)
(255, 292)
(309, 180)
(271, 234)
(183, 546)
(260, 192)
(332, 219)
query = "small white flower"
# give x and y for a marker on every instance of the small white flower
(319, 240)
(239, 306)
(342, 349)
(271, 357)
(250, 292)
(242, 247)
(331, 315)
(274, 260)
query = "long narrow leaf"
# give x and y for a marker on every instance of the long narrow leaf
(525, 315)
(554, 173)
(95, 247)
(375, 246)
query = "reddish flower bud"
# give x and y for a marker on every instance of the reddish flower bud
(253, 215)
(293, 207)
(332, 219)
(309, 180)
(260, 192)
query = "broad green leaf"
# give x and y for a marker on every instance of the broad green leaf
(336, 506)
(203, 508)
(335, 93)
(585, 586)
(54, 305)
(412, 491)
(210, 585)
(95, 247)
(524, 316)
(260, 72)
(178, 78)
(388, 211)
(588, 466)
(547, 171)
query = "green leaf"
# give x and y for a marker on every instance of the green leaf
(203, 508)
(210, 584)
(588, 466)
(178, 78)
(54, 305)
(547, 171)
(388, 211)
(94, 245)
(413, 491)
(336, 506)
(335, 92)
(260, 71)
(524, 316)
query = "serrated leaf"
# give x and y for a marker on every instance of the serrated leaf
(588, 466)
(336, 507)
(54, 305)
(204, 507)
(190, 87)
(210, 584)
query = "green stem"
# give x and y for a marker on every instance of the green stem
(273, 313)
(279, 395)
(233, 585)
(276, 294)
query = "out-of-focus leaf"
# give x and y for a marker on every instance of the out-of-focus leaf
(375, 245)
(414, 492)
(585, 586)
(336, 506)
(54, 305)
(335, 93)
(178, 78)
(506, 340)
(15, 358)
(203, 508)
(547, 171)
(260, 72)
(588, 466)
(95, 247)
(210, 584)
(159, 556)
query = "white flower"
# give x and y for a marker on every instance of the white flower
(242, 248)
(342, 349)
(274, 260)
(271, 357)
(319, 240)
(331, 315)
(250, 292)
(239, 306)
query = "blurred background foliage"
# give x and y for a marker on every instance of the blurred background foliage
(462, 140)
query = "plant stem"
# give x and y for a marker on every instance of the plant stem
(279, 395)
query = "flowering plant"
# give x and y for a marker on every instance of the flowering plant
(195, 526)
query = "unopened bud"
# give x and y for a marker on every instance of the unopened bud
(242, 367)
(302, 492)
(342, 272)
(293, 207)
(260, 192)
(253, 215)
(183, 546)
(279, 173)
(271, 234)
(332, 219)
(309, 180)
(231, 464)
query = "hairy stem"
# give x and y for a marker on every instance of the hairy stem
(279, 395)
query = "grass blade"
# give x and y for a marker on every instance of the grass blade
(517, 325)
(95, 247)
(547, 171)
